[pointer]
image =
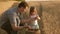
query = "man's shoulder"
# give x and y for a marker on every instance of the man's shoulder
(11, 10)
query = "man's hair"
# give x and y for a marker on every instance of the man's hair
(23, 4)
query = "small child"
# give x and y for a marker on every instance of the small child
(33, 25)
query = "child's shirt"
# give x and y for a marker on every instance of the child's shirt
(34, 24)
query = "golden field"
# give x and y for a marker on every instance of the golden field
(49, 11)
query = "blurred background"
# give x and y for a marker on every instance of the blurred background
(49, 11)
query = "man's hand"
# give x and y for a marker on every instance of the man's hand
(21, 27)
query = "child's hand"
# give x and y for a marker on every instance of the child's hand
(37, 17)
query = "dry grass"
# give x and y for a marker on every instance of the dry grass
(50, 18)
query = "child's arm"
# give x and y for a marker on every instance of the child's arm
(38, 18)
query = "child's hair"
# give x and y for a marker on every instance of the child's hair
(33, 9)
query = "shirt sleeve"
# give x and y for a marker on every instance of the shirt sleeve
(14, 19)
(2, 21)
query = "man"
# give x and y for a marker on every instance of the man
(12, 19)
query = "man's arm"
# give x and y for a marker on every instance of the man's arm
(13, 22)
(25, 20)
(28, 20)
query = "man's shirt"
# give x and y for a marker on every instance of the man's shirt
(12, 15)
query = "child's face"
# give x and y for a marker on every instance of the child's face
(33, 12)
